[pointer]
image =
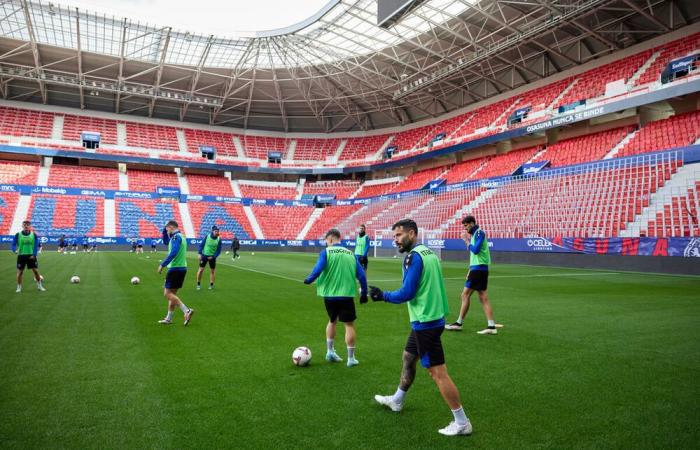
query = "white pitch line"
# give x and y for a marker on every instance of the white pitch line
(262, 272)
(528, 276)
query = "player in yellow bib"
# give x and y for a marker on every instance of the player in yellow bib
(335, 273)
(423, 290)
(26, 245)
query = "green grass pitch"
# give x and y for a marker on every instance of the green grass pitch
(587, 359)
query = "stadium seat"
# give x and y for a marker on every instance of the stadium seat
(8, 205)
(83, 177)
(150, 181)
(72, 215)
(151, 136)
(209, 185)
(22, 122)
(74, 125)
(144, 218)
(229, 217)
(281, 222)
(271, 191)
(18, 173)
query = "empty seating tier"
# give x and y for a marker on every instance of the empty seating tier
(270, 191)
(22, 122)
(83, 177)
(281, 222)
(72, 215)
(74, 125)
(148, 181)
(18, 173)
(209, 185)
(151, 136)
(229, 217)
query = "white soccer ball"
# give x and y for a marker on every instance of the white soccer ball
(135, 280)
(301, 356)
(252, 253)
(75, 279)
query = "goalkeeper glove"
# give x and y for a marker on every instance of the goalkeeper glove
(376, 294)
(363, 298)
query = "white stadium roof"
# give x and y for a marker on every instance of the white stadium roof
(336, 70)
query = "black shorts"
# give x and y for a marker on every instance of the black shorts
(341, 309)
(426, 344)
(139, 246)
(174, 279)
(477, 280)
(203, 262)
(85, 246)
(25, 261)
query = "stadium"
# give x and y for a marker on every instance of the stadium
(553, 146)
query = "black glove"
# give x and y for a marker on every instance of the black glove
(363, 299)
(307, 281)
(376, 294)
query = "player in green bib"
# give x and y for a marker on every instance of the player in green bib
(423, 290)
(26, 245)
(335, 272)
(209, 250)
(477, 277)
(176, 262)
(362, 247)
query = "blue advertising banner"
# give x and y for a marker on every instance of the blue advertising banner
(682, 64)
(168, 191)
(89, 136)
(207, 149)
(434, 185)
(679, 247)
(323, 198)
(528, 169)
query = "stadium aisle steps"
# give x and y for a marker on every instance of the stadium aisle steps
(685, 178)
(310, 223)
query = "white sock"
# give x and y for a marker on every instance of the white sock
(329, 344)
(183, 307)
(492, 323)
(169, 316)
(19, 286)
(351, 352)
(399, 395)
(460, 416)
(460, 320)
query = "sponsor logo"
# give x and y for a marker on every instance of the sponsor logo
(49, 190)
(343, 202)
(197, 198)
(295, 243)
(92, 193)
(280, 204)
(195, 241)
(258, 201)
(249, 242)
(439, 243)
(132, 194)
(271, 242)
(692, 250)
(43, 239)
(375, 243)
(539, 244)
(681, 64)
(7, 188)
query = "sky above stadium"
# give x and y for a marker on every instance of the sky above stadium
(219, 17)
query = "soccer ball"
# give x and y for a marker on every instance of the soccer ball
(252, 253)
(135, 280)
(75, 279)
(301, 356)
